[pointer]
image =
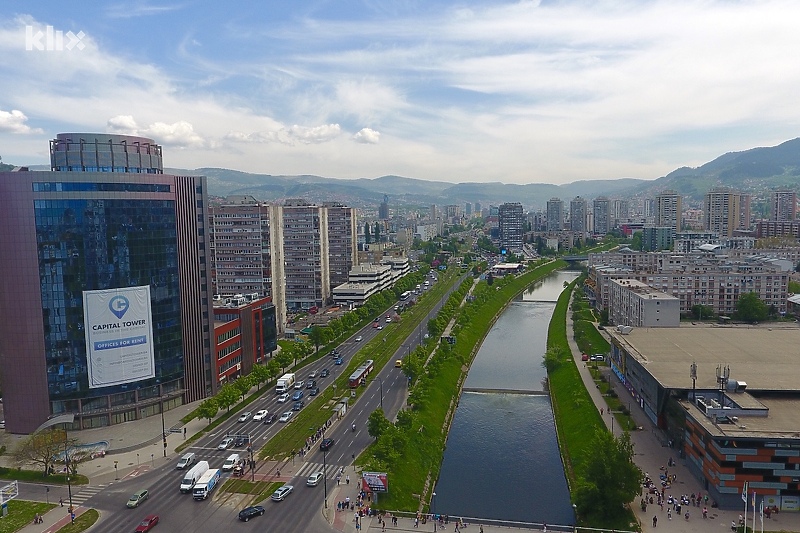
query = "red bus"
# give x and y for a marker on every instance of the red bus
(359, 377)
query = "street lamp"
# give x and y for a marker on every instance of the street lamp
(325, 470)
(434, 512)
(163, 428)
(380, 381)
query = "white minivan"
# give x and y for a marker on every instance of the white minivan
(230, 462)
(186, 461)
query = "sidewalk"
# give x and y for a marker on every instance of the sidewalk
(651, 453)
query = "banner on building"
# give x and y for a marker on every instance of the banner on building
(119, 335)
(375, 481)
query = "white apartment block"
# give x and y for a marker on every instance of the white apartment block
(633, 303)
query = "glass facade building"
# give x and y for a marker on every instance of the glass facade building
(70, 231)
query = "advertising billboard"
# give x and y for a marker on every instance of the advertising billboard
(119, 335)
(375, 481)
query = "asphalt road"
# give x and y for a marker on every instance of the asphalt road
(301, 511)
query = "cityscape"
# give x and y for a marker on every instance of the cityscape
(284, 294)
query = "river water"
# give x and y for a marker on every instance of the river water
(502, 460)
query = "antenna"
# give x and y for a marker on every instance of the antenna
(723, 375)
(693, 375)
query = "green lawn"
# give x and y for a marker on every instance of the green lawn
(21, 513)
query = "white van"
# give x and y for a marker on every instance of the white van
(186, 461)
(193, 475)
(230, 462)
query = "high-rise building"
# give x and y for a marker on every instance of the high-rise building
(305, 248)
(342, 249)
(478, 208)
(105, 307)
(668, 210)
(601, 209)
(555, 214)
(577, 215)
(784, 206)
(468, 209)
(510, 222)
(383, 209)
(246, 239)
(619, 212)
(726, 211)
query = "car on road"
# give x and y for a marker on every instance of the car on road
(299, 384)
(270, 418)
(313, 374)
(281, 494)
(338, 361)
(314, 479)
(261, 414)
(398, 363)
(297, 395)
(374, 324)
(137, 498)
(326, 444)
(245, 416)
(324, 373)
(359, 338)
(298, 405)
(225, 444)
(285, 416)
(250, 512)
(240, 441)
(147, 524)
(388, 319)
(334, 353)
(311, 384)
(283, 398)
(380, 327)
(314, 391)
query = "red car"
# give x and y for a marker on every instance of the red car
(147, 524)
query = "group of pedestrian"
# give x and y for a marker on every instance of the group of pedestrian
(677, 504)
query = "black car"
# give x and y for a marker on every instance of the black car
(240, 441)
(314, 391)
(325, 444)
(270, 418)
(311, 384)
(298, 405)
(325, 373)
(249, 512)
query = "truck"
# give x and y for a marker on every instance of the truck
(193, 475)
(285, 383)
(206, 484)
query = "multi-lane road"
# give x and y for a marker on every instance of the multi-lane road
(300, 511)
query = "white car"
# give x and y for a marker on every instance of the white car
(261, 414)
(299, 384)
(285, 416)
(245, 416)
(314, 479)
(283, 398)
(313, 374)
(225, 444)
(359, 338)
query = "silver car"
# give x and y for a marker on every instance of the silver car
(282, 492)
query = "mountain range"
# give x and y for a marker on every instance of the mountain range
(756, 171)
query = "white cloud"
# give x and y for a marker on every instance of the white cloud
(290, 136)
(367, 136)
(14, 121)
(317, 134)
(122, 124)
(180, 134)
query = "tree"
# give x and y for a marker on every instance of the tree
(702, 311)
(750, 308)
(377, 423)
(405, 419)
(242, 385)
(552, 358)
(284, 358)
(610, 480)
(259, 375)
(44, 448)
(227, 396)
(317, 336)
(208, 409)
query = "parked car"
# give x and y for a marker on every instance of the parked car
(597, 357)
(283, 398)
(326, 444)
(281, 494)
(137, 498)
(314, 479)
(297, 395)
(244, 417)
(225, 444)
(147, 524)
(260, 415)
(250, 512)
(285, 416)
(270, 418)
(298, 405)
(324, 373)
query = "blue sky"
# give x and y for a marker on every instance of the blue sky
(471, 91)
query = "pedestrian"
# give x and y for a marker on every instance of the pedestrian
(481, 528)
(72, 516)
(416, 522)
(61, 501)
(655, 521)
(705, 512)
(733, 525)
(347, 479)
(669, 514)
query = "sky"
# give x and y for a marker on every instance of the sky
(470, 91)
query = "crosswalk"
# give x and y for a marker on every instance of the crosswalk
(84, 495)
(306, 469)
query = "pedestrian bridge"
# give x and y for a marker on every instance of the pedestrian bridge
(573, 258)
(507, 391)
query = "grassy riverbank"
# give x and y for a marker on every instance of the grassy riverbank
(411, 451)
